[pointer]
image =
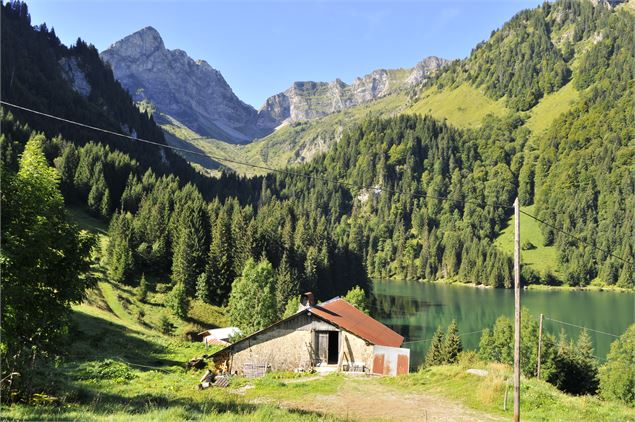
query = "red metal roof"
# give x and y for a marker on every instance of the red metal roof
(346, 316)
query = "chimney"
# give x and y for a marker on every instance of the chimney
(306, 301)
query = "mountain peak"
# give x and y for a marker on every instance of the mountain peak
(144, 42)
(190, 91)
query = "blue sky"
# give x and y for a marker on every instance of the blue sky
(262, 47)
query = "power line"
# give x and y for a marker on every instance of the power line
(308, 176)
(575, 237)
(585, 328)
(556, 344)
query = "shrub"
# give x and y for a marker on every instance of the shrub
(357, 297)
(527, 246)
(140, 316)
(165, 326)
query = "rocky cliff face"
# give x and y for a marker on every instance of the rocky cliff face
(310, 100)
(424, 69)
(197, 95)
(190, 91)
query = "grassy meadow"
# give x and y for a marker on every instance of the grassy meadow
(463, 106)
(542, 258)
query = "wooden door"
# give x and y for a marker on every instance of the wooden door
(323, 347)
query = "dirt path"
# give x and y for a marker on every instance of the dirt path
(365, 399)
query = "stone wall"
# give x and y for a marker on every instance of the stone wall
(354, 349)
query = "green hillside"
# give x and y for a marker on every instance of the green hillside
(289, 144)
(540, 258)
(463, 106)
(551, 107)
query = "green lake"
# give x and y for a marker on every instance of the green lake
(416, 309)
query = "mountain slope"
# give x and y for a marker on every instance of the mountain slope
(191, 91)
(197, 96)
(552, 41)
(309, 100)
(41, 73)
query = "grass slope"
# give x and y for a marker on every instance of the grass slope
(541, 259)
(116, 371)
(540, 401)
(551, 107)
(463, 106)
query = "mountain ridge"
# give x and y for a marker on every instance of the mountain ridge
(197, 95)
(190, 90)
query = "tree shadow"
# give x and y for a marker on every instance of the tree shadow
(93, 338)
(103, 404)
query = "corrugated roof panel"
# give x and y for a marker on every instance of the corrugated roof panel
(348, 317)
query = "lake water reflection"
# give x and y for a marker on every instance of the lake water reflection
(416, 309)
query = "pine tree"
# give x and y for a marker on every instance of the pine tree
(435, 353)
(142, 290)
(452, 344)
(203, 288)
(177, 301)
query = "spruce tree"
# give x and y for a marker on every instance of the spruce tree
(177, 301)
(203, 288)
(586, 365)
(142, 290)
(617, 376)
(452, 344)
(434, 356)
(220, 267)
(190, 243)
(120, 259)
(287, 285)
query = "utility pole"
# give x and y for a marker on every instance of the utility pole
(539, 346)
(516, 311)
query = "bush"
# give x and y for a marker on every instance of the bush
(140, 316)
(107, 369)
(357, 297)
(163, 287)
(165, 326)
(527, 246)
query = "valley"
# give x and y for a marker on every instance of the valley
(144, 203)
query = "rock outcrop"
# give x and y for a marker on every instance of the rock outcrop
(74, 75)
(310, 100)
(197, 95)
(191, 91)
